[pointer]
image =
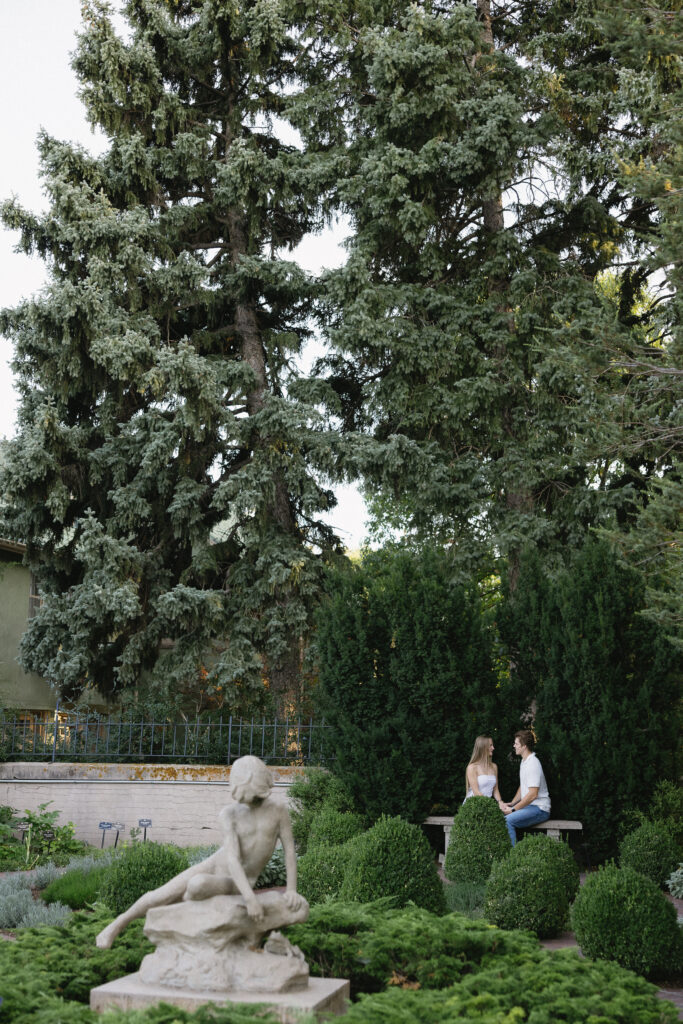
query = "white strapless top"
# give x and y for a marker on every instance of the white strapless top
(486, 783)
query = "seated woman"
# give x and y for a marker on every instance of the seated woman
(481, 777)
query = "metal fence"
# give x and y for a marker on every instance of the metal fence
(28, 737)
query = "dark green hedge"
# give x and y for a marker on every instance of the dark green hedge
(408, 679)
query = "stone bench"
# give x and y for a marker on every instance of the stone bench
(553, 827)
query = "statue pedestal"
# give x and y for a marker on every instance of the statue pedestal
(214, 945)
(323, 996)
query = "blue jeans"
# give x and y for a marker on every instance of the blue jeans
(531, 815)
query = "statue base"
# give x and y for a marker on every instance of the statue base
(326, 997)
(214, 945)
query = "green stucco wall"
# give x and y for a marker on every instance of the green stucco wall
(18, 689)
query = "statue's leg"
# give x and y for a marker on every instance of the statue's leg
(201, 887)
(171, 892)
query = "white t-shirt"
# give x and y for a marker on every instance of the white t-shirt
(531, 774)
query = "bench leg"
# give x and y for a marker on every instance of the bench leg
(554, 833)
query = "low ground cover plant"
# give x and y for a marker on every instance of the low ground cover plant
(621, 915)
(409, 958)
(541, 987)
(533, 887)
(371, 943)
(652, 850)
(478, 839)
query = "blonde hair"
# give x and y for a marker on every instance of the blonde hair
(480, 755)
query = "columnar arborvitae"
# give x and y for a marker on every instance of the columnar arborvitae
(605, 684)
(407, 682)
(162, 475)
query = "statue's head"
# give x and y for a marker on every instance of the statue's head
(250, 779)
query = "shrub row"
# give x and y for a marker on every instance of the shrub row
(391, 859)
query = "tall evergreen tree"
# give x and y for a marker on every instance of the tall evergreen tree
(485, 201)
(162, 475)
(647, 43)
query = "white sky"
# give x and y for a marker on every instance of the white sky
(38, 89)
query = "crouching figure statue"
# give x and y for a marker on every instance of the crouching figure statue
(207, 922)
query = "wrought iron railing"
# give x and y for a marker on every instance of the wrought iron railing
(25, 736)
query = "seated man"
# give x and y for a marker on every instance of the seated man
(531, 803)
(252, 826)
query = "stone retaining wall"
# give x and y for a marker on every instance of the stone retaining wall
(183, 801)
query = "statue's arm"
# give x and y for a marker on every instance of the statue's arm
(287, 840)
(292, 897)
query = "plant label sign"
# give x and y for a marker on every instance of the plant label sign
(144, 822)
(105, 826)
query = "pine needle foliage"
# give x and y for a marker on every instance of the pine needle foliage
(162, 475)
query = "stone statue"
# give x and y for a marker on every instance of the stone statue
(208, 922)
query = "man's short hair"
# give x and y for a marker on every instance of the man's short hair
(526, 738)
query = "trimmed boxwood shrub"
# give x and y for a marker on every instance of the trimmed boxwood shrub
(621, 915)
(559, 854)
(320, 872)
(479, 837)
(652, 850)
(310, 793)
(533, 887)
(140, 868)
(393, 859)
(330, 827)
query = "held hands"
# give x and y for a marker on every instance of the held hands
(506, 808)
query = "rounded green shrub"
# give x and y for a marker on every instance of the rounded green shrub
(533, 887)
(621, 915)
(330, 827)
(310, 793)
(534, 847)
(140, 868)
(320, 872)
(652, 850)
(478, 839)
(393, 858)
